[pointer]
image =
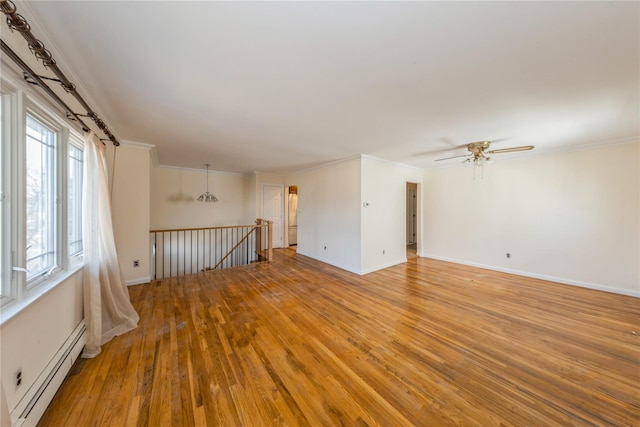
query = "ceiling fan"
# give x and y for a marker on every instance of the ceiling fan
(478, 154)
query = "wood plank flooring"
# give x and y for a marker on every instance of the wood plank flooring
(300, 343)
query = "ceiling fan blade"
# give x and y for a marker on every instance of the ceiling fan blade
(454, 157)
(433, 152)
(451, 147)
(508, 150)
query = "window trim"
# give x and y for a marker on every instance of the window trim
(16, 292)
(14, 129)
(73, 142)
(57, 187)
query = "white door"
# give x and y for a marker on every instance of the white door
(272, 210)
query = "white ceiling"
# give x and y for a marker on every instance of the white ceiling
(280, 86)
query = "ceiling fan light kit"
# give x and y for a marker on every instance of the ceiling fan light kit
(479, 156)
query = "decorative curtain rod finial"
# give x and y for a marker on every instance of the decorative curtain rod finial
(17, 22)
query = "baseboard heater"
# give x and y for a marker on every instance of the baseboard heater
(37, 399)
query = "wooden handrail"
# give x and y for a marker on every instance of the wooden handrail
(185, 250)
(203, 228)
(234, 248)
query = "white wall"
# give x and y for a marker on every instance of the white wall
(130, 207)
(250, 202)
(174, 204)
(329, 213)
(331, 210)
(262, 179)
(30, 339)
(570, 217)
(384, 188)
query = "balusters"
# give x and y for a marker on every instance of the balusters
(193, 250)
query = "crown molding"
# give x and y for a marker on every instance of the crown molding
(199, 170)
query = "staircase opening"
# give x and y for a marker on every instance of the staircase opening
(178, 252)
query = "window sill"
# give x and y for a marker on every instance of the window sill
(13, 308)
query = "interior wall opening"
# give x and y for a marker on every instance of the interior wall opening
(412, 220)
(293, 216)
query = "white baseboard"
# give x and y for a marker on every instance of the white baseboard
(340, 266)
(139, 281)
(29, 410)
(381, 266)
(560, 280)
(365, 271)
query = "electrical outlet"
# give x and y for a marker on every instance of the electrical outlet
(136, 263)
(17, 378)
(508, 255)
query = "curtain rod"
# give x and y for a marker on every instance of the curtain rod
(28, 73)
(17, 22)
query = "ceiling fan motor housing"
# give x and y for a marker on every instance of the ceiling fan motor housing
(477, 149)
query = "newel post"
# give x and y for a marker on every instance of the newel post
(259, 237)
(270, 240)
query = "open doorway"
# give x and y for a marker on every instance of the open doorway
(412, 220)
(293, 216)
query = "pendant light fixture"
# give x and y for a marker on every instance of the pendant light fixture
(207, 197)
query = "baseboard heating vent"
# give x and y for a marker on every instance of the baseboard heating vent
(50, 380)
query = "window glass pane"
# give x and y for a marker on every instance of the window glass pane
(40, 196)
(3, 244)
(75, 200)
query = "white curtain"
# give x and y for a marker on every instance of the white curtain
(107, 308)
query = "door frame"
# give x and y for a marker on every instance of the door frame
(418, 213)
(282, 211)
(286, 214)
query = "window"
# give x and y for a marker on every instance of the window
(41, 165)
(75, 200)
(3, 181)
(41, 198)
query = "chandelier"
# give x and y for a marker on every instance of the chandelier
(207, 197)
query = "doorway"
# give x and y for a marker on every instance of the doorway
(293, 216)
(272, 210)
(412, 220)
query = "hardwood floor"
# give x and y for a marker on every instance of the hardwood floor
(298, 342)
(412, 251)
